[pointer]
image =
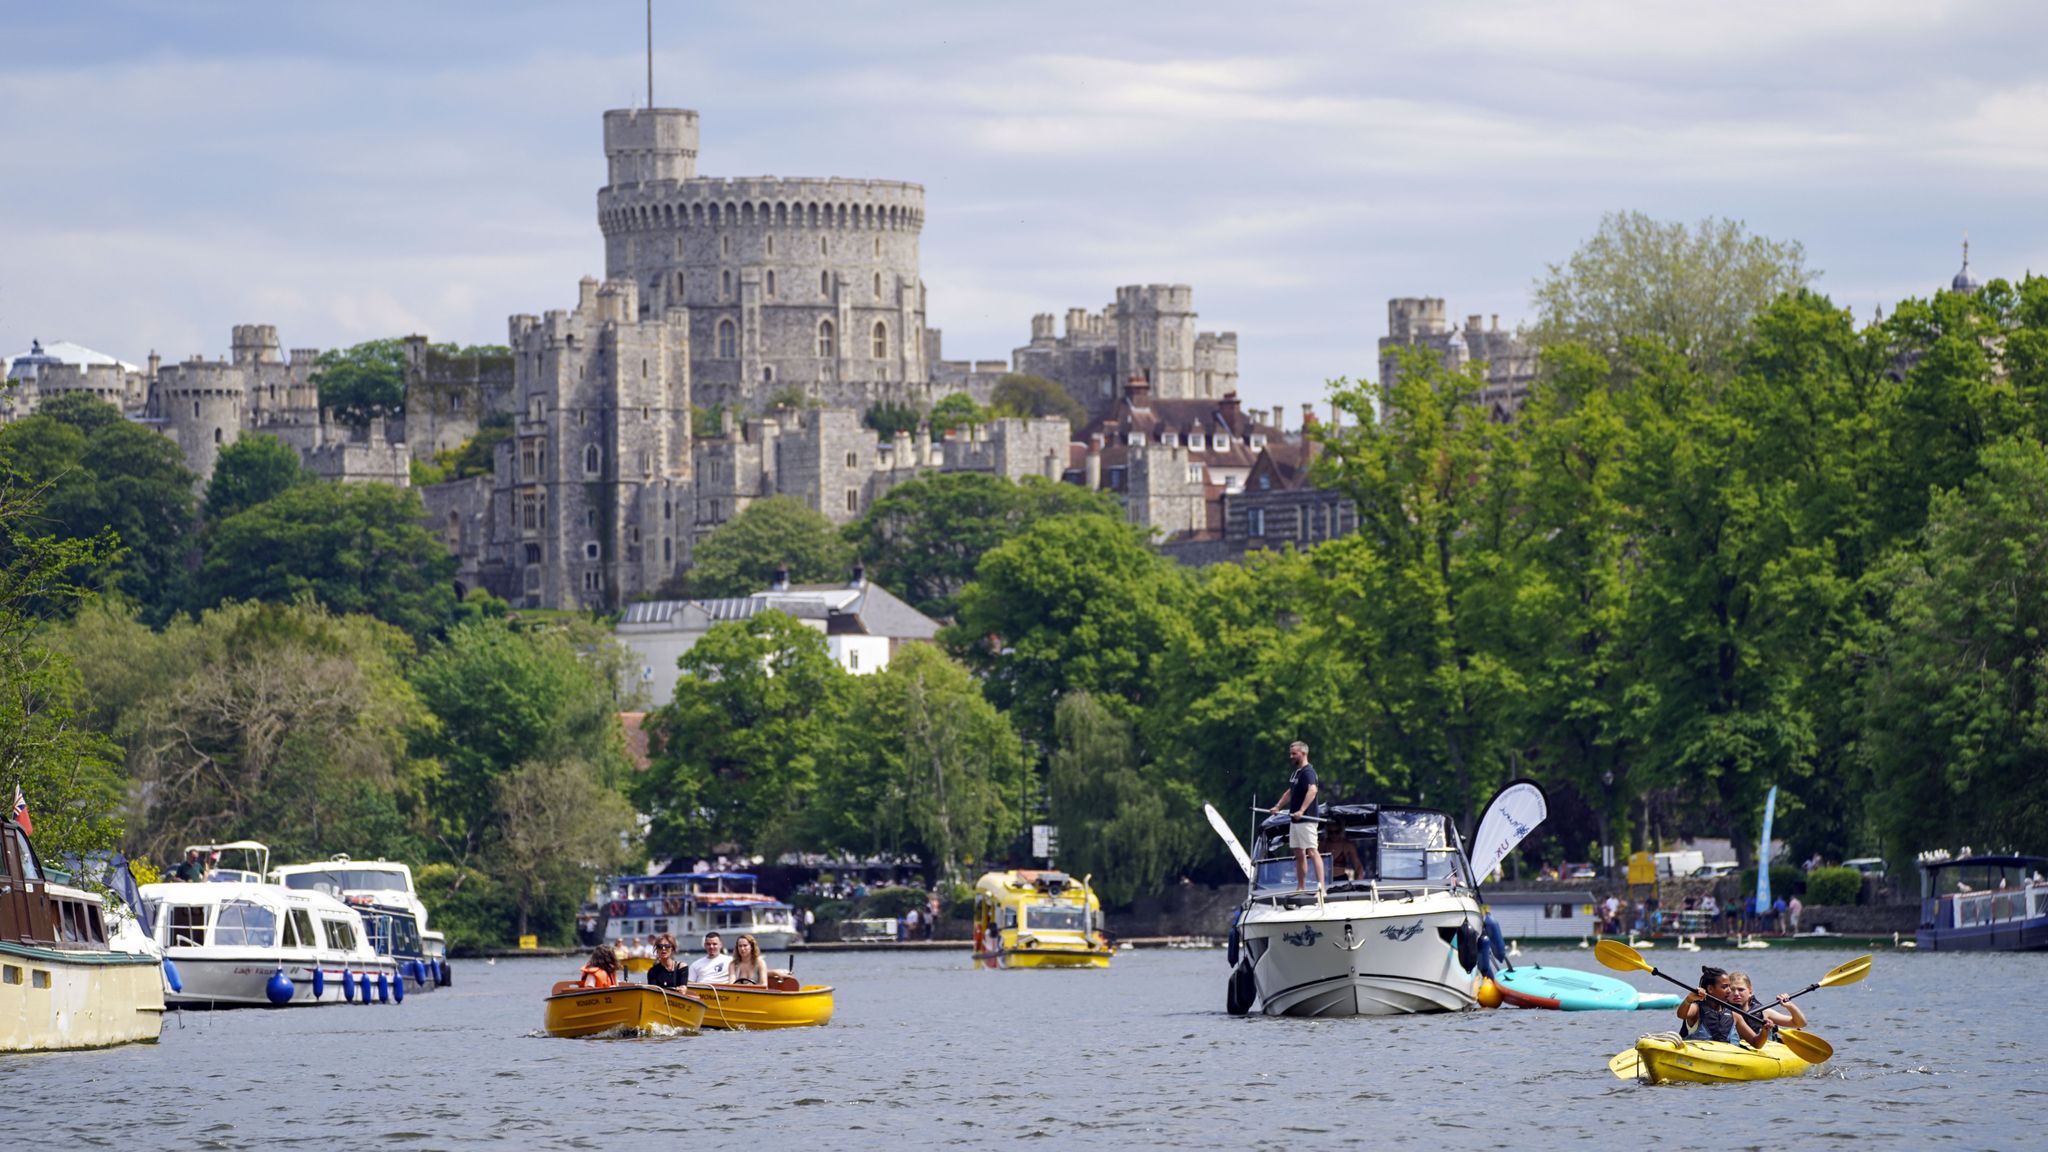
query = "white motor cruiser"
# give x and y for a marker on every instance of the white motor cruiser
(379, 888)
(237, 943)
(1397, 930)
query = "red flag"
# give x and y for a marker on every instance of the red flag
(21, 811)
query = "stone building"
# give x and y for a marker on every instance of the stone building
(1510, 363)
(1279, 505)
(1172, 461)
(1148, 334)
(447, 395)
(794, 287)
(62, 367)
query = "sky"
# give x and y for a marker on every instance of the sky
(347, 171)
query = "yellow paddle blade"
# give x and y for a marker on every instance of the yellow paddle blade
(1806, 1045)
(1848, 973)
(1620, 957)
(1626, 1064)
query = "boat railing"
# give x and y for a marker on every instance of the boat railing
(1999, 906)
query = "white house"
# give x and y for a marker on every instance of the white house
(863, 625)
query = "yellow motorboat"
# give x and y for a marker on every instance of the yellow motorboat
(638, 965)
(623, 1009)
(1665, 1058)
(1038, 919)
(751, 1007)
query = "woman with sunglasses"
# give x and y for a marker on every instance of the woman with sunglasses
(666, 973)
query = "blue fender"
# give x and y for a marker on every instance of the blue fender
(278, 989)
(319, 982)
(171, 975)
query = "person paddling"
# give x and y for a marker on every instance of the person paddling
(1768, 1018)
(1703, 1016)
(1301, 834)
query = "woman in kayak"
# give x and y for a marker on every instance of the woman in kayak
(1701, 1017)
(1785, 1015)
(603, 969)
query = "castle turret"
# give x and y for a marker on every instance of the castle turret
(643, 145)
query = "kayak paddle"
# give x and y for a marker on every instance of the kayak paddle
(1622, 958)
(1230, 840)
(1847, 972)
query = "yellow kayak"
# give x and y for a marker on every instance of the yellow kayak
(625, 1009)
(748, 1006)
(1666, 1058)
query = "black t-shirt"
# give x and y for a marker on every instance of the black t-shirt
(675, 977)
(1298, 785)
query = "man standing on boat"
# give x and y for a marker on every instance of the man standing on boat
(1301, 834)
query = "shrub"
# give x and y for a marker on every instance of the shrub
(1785, 880)
(1833, 886)
(893, 902)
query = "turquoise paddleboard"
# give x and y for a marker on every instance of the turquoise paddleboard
(1534, 985)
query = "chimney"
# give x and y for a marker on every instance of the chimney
(1308, 415)
(860, 575)
(1496, 321)
(1093, 464)
(1229, 408)
(1279, 418)
(1337, 417)
(1139, 390)
(781, 581)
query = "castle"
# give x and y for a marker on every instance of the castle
(1510, 362)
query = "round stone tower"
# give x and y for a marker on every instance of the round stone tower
(799, 284)
(200, 403)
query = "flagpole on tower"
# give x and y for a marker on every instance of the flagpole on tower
(650, 55)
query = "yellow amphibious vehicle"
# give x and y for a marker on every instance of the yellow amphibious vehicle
(1038, 919)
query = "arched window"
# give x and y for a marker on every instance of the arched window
(728, 340)
(216, 435)
(592, 458)
(825, 342)
(825, 284)
(881, 340)
(768, 374)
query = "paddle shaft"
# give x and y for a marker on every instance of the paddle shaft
(1291, 815)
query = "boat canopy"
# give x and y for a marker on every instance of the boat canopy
(1369, 843)
(1962, 874)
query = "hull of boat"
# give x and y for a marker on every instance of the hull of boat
(1360, 957)
(735, 1006)
(1045, 958)
(625, 1010)
(243, 981)
(53, 999)
(1665, 1059)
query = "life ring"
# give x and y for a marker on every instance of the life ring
(618, 908)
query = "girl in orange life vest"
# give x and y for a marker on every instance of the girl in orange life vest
(603, 969)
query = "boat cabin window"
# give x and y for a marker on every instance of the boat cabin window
(1056, 919)
(298, 929)
(335, 881)
(187, 925)
(67, 921)
(341, 934)
(1009, 917)
(1413, 846)
(95, 928)
(246, 924)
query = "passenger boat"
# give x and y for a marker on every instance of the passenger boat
(1038, 919)
(621, 1010)
(688, 904)
(67, 978)
(1665, 1058)
(1397, 931)
(784, 1004)
(375, 883)
(1972, 903)
(238, 943)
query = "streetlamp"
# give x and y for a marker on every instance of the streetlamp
(1607, 807)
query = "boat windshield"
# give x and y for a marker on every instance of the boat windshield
(335, 881)
(244, 923)
(1368, 843)
(392, 935)
(1050, 918)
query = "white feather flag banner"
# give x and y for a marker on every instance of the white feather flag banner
(1513, 813)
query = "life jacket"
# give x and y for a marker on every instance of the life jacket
(595, 978)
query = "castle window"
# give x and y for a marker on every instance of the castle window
(768, 374)
(580, 417)
(636, 534)
(216, 436)
(878, 245)
(195, 409)
(825, 341)
(728, 340)
(881, 340)
(454, 529)
(713, 513)
(853, 499)
(529, 513)
(853, 459)
(454, 402)
(590, 517)
(591, 459)
(526, 462)
(823, 250)
(1255, 522)
(644, 414)
(825, 284)
(668, 509)
(533, 553)
(771, 244)
(679, 283)
(725, 284)
(590, 581)
(679, 250)
(590, 550)
(771, 282)
(668, 550)
(878, 285)
(725, 245)
(646, 463)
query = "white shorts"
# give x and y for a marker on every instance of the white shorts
(1301, 834)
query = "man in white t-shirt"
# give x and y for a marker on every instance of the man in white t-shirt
(714, 967)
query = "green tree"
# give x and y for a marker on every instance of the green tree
(251, 470)
(353, 547)
(1692, 290)
(561, 826)
(741, 557)
(758, 716)
(81, 410)
(887, 419)
(924, 538)
(932, 771)
(363, 382)
(1957, 703)
(1022, 394)
(65, 770)
(957, 410)
(1073, 602)
(102, 474)
(502, 697)
(1128, 832)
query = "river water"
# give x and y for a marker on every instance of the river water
(1931, 1051)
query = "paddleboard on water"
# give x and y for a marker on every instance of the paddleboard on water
(1568, 989)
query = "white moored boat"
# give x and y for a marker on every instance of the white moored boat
(237, 943)
(1397, 931)
(382, 890)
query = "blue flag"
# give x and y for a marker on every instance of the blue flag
(1763, 856)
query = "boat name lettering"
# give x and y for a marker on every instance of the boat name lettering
(1397, 933)
(1307, 936)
